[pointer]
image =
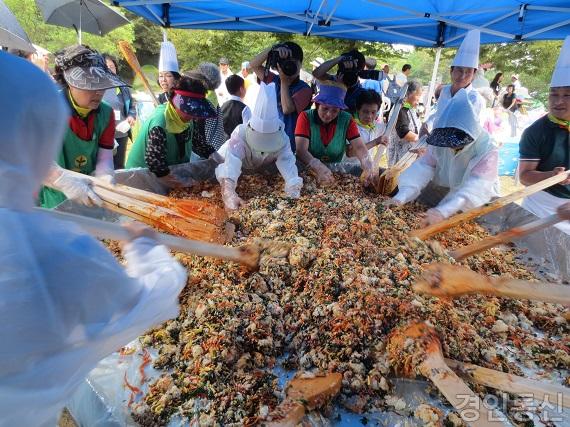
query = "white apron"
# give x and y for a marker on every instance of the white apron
(544, 204)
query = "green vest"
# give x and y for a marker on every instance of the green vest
(173, 156)
(78, 155)
(333, 152)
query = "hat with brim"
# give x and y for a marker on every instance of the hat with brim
(331, 94)
(193, 104)
(85, 69)
(449, 137)
(266, 142)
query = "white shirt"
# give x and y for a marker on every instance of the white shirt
(246, 113)
(401, 79)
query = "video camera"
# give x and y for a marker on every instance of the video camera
(288, 65)
(351, 75)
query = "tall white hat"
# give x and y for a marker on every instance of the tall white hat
(561, 75)
(468, 53)
(265, 128)
(168, 60)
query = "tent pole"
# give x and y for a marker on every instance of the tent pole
(80, 11)
(431, 89)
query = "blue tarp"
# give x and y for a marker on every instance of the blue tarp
(425, 23)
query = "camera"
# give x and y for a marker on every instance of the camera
(371, 74)
(287, 65)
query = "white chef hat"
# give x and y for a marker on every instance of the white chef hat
(561, 75)
(459, 114)
(468, 53)
(265, 129)
(168, 60)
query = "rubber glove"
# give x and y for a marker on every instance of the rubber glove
(176, 180)
(563, 211)
(293, 189)
(324, 174)
(432, 216)
(104, 168)
(229, 196)
(74, 187)
(367, 176)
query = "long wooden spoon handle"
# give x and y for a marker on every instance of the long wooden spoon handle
(547, 292)
(489, 207)
(108, 230)
(505, 237)
(512, 383)
(468, 405)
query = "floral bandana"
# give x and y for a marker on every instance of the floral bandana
(449, 137)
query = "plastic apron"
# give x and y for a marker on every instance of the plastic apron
(453, 169)
(543, 204)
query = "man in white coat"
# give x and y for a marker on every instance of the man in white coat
(545, 145)
(65, 301)
(254, 145)
(463, 69)
(461, 157)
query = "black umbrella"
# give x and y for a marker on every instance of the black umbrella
(92, 16)
(12, 35)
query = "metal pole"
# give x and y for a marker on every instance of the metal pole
(80, 12)
(431, 89)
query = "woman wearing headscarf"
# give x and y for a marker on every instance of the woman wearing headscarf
(66, 301)
(326, 133)
(165, 138)
(90, 133)
(460, 158)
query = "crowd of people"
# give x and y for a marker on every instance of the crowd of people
(81, 128)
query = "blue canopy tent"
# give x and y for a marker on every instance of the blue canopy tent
(423, 23)
(416, 22)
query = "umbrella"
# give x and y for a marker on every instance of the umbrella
(12, 35)
(92, 16)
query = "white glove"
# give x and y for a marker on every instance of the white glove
(74, 187)
(229, 196)
(324, 174)
(293, 190)
(104, 169)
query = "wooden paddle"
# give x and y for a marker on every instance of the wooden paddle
(505, 237)
(428, 361)
(197, 209)
(247, 255)
(489, 207)
(444, 280)
(208, 225)
(388, 180)
(391, 122)
(511, 383)
(127, 51)
(304, 394)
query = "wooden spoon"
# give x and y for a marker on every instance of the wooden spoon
(505, 237)
(416, 349)
(489, 207)
(444, 280)
(304, 394)
(511, 383)
(247, 255)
